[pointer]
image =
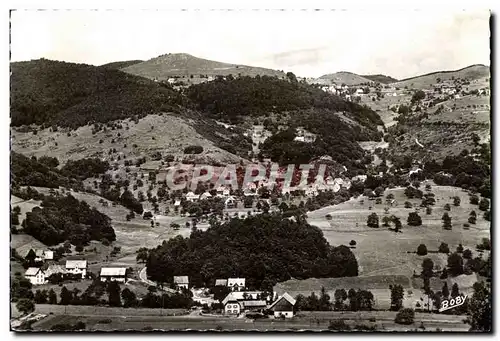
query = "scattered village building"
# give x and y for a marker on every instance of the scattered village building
(171, 80)
(77, 267)
(221, 282)
(44, 255)
(192, 197)
(239, 301)
(113, 274)
(230, 202)
(36, 276)
(205, 195)
(181, 281)
(54, 269)
(283, 306)
(236, 284)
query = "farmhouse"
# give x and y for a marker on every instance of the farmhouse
(221, 282)
(77, 267)
(205, 195)
(35, 275)
(236, 284)
(54, 269)
(236, 302)
(181, 281)
(283, 306)
(113, 275)
(44, 255)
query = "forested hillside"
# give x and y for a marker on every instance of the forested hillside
(47, 92)
(264, 249)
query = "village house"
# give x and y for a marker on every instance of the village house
(283, 306)
(192, 197)
(44, 255)
(53, 269)
(230, 202)
(113, 274)
(205, 195)
(237, 302)
(77, 267)
(36, 276)
(181, 281)
(236, 284)
(171, 80)
(221, 282)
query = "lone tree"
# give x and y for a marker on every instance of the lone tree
(447, 207)
(373, 220)
(474, 199)
(414, 219)
(445, 291)
(114, 294)
(397, 295)
(427, 268)
(422, 250)
(352, 243)
(484, 204)
(428, 210)
(446, 221)
(455, 264)
(444, 248)
(456, 201)
(454, 290)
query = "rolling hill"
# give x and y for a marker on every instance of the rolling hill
(344, 77)
(122, 64)
(472, 72)
(47, 92)
(186, 65)
(380, 78)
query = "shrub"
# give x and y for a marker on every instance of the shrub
(405, 316)
(339, 325)
(193, 150)
(422, 250)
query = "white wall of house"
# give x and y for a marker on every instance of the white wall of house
(113, 279)
(38, 279)
(232, 308)
(77, 271)
(287, 314)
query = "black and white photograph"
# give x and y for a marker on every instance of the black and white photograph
(250, 170)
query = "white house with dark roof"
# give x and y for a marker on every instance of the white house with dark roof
(181, 281)
(36, 276)
(236, 284)
(239, 301)
(118, 274)
(283, 306)
(77, 267)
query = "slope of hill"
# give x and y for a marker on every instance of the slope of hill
(344, 77)
(472, 72)
(49, 93)
(121, 64)
(380, 78)
(186, 65)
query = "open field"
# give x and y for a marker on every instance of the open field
(381, 251)
(125, 320)
(167, 134)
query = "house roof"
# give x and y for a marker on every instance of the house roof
(238, 296)
(71, 264)
(191, 194)
(54, 268)
(31, 271)
(221, 282)
(113, 271)
(181, 279)
(235, 281)
(287, 297)
(258, 303)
